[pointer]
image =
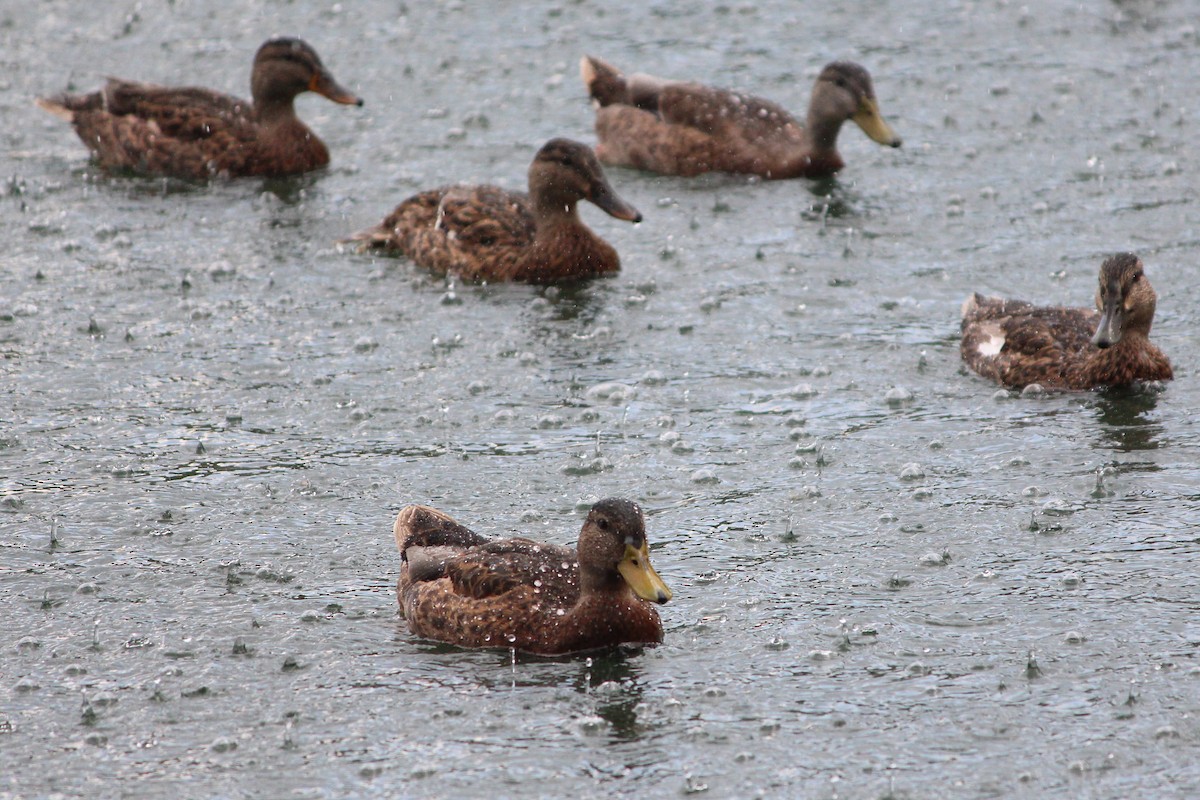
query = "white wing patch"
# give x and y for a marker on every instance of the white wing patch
(994, 342)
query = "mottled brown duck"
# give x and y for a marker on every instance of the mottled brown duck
(682, 128)
(459, 587)
(189, 132)
(1017, 344)
(484, 233)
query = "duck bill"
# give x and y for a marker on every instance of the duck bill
(1112, 323)
(323, 84)
(873, 124)
(636, 570)
(606, 199)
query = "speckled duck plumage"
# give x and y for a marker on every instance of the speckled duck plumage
(484, 233)
(196, 133)
(1016, 343)
(680, 128)
(459, 587)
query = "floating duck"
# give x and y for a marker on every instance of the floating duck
(189, 132)
(462, 588)
(679, 128)
(484, 233)
(1017, 343)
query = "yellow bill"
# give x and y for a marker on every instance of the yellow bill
(873, 124)
(636, 570)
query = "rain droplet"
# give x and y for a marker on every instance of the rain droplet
(897, 396)
(1057, 507)
(223, 745)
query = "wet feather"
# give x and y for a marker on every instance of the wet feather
(484, 233)
(462, 588)
(1016, 343)
(197, 133)
(682, 128)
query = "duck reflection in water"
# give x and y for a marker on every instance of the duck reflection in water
(1127, 419)
(613, 680)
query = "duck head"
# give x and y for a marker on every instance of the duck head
(285, 67)
(564, 172)
(844, 92)
(1125, 299)
(613, 549)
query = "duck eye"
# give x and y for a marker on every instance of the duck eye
(602, 524)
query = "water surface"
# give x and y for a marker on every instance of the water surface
(212, 415)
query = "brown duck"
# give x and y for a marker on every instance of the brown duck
(189, 132)
(1017, 343)
(459, 587)
(484, 233)
(679, 128)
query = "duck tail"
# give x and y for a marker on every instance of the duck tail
(67, 106)
(378, 237)
(425, 527)
(604, 82)
(56, 106)
(970, 306)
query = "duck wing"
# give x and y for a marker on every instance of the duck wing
(500, 567)
(477, 218)
(188, 132)
(514, 592)
(186, 112)
(718, 111)
(1017, 343)
(434, 546)
(1047, 330)
(472, 231)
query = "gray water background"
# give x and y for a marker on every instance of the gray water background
(217, 414)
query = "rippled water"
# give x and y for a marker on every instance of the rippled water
(211, 416)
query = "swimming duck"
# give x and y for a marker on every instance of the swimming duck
(1017, 343)
(459, 587)
(679, 128)
(484, 233)
(196, 133)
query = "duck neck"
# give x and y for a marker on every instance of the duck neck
(549, 212)
(275, 110)
(816, 155)
(600, 581)
(822, 133)
(1135, 337)
(1134, 358)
